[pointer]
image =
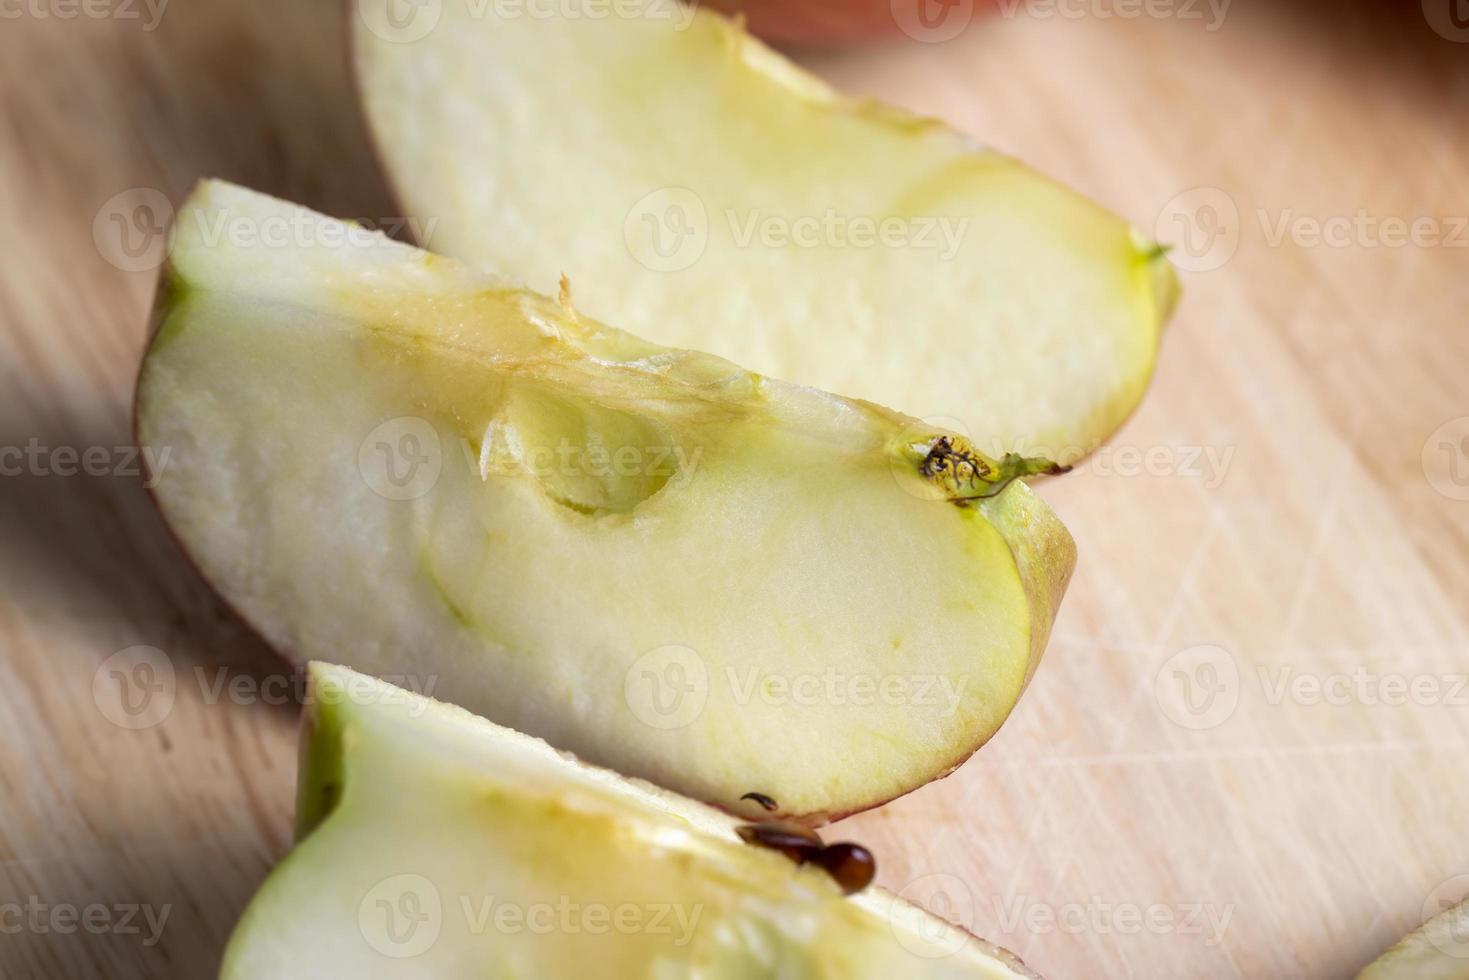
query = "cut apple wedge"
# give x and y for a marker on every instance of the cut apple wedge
(1436, 950)
(669, 565)
(703, 192)
(435, 844)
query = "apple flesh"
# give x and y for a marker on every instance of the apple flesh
(669, 565)
(432, 843)
(1437, 950)
(703, 192)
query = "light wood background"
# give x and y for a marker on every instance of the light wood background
(1324, 547)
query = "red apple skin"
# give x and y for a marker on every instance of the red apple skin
(828, 23)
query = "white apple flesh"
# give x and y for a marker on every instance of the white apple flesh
(704, 192)
(669, 565)
(433, 844)
(1436, 950)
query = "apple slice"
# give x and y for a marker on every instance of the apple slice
(435, 844)
(1436, 950)
(669, 565)
(703, 192)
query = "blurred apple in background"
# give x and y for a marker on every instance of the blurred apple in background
(830, 22)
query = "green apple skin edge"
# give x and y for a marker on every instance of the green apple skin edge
(667, 564)
(1436, 950)
(434, 844)
(704, 192)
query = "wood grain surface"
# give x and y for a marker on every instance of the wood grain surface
(1216, 773)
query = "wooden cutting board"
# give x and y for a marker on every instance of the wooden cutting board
(1245, 753)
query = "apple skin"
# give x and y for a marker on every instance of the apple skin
(379, 764)
(828, 23)
(285, 659)
(1433, 951)
(1042, 551)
